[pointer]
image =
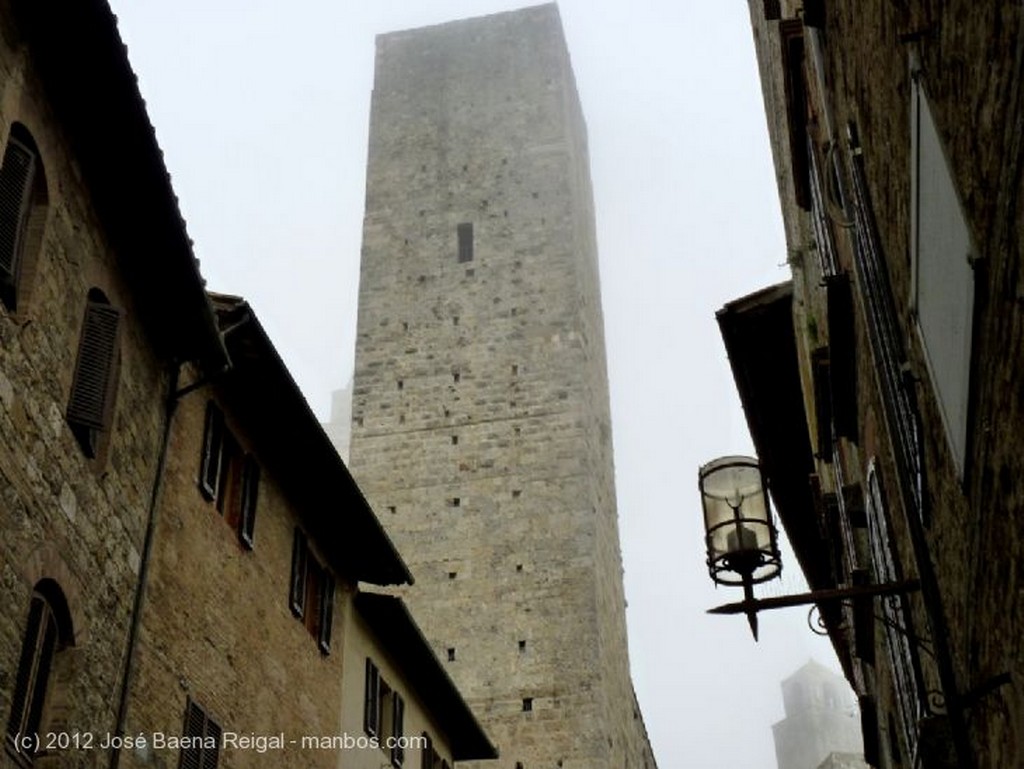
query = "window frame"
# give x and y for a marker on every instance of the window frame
(229, 476)
(48, 633)
(311, 592)
(371, 700)
(934, 317)
(27, 200)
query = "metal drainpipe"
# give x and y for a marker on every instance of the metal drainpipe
(173, 396)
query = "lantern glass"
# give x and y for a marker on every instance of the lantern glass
(741, 538)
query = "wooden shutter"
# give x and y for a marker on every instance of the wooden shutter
(213, 439)
(250, 490)
(211, 747)
(326, 611)
(397, 719)
(371, 700)
(26, 665)
(297, 598)
(427, 754)
(16, 177)
(92, 387)
(199, 725)
(190, 757)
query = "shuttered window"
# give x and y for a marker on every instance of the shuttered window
(90, 407)
(297, 595)
(229, 477)
(326, 612)
(311, 596)
(46, 634)
(202, 744)
(250, 492)
(16, 178)
(427, 753)
(371, 700)
(213, 438)
(397, 729)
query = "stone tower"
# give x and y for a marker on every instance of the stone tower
(821, 721)
(481, 429)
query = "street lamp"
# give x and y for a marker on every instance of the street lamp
(742, 542)
(741, 538)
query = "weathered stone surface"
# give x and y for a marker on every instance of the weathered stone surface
(967, 59)
(481, 428)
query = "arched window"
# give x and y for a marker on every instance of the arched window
(23, 202)
(91, 405)
(47, 633)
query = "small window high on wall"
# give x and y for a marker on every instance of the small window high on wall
(465, 236)
(942, 288)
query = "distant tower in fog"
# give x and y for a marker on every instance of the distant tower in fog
(821, 727)
(481, 428)
(339, 426)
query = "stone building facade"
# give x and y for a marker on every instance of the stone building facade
(895, 130)
(181, 565)
(481, 423)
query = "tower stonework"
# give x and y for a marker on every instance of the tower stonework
(481, 426)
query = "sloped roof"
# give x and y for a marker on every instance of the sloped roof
(83, 64)
(290, 441)
(399, 635)
(761, 344)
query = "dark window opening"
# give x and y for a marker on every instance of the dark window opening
(465, 238)
(522, 646)
(451, 654)
(527, 704)
(455, 440)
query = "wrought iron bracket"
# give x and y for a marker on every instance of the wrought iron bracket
(753, 605)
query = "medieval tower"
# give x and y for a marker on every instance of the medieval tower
(481, 427)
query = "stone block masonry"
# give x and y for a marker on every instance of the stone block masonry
(481, 427)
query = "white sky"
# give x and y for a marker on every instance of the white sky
(261, 108)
